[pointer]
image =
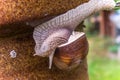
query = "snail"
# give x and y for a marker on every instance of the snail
(69, 55)
(57, 31)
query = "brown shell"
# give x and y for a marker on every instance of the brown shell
(70, 56)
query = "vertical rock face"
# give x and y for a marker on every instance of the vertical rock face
(20, 10)
(15, 13)
(27, 67)
(14, 29)
(18, 37)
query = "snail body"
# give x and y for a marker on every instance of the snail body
(69, 55)
(55, 32)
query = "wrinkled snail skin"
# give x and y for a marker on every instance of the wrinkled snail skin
(49, 35)
(56, 37)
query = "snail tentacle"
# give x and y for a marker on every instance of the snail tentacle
(51, 59)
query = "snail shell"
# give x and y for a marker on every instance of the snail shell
(69, 55)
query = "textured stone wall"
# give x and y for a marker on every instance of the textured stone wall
(20, 10)
(27, 67)
(18, 37)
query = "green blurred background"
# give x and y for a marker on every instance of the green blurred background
(101, 67)
(104, 51)
(103, 59)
